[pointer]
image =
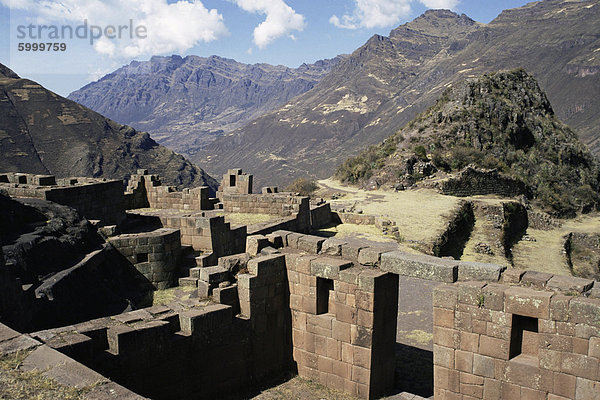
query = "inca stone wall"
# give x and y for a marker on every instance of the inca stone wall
(199, 352)
(210, 235)
(472, 182)
(343, 324)
(533, 337)
(154, 254)
(146, 190)
(96, 199)
(237, 182)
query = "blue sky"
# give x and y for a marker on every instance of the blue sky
(288, 32)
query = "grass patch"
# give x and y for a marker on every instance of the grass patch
(419, 214)
(166, 296)
(17, 384)
(365, 232)
(546, 253)
(419, 336)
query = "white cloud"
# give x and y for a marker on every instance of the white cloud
(281, 19)
(169, 28)
(436, 4)
(382, 13)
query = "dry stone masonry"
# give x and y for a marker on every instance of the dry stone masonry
(272, 298)
(526, 338)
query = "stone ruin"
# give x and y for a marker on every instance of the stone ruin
(271, 298)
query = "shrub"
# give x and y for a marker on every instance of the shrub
(303, 186)
(420, 152)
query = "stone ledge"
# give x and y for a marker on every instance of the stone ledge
(569, 284)
(327, 267)
(420, 266)
(475, 271)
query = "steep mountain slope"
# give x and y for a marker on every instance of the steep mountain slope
(186, 103)
(41, 132)
(385, 83)
(501, 120)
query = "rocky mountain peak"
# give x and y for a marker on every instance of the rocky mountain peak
(7, 72)
(499, 120)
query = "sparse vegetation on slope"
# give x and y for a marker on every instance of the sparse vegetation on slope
(501, 120)
(302, 186)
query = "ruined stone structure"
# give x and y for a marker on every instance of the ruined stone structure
(281, 301)
(145, 190)
(236, 182)
(154, 254)
(473, 182)
(534, 337)
(97, 199)
(343, 324)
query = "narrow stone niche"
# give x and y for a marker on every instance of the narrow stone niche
(324, 285)
(524, 341)
(142, 257)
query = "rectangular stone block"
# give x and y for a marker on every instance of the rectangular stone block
(420, 266)
(443, 356)
(332, 247)
(569, 284)
(292, 239)
(327, 267)
(445, 296)
(585, 311)
(586, 389)
(536, 279)
(351, 251)
(579, 365)
(212, 317)
(475, 271)
(369, 256)
(310, 244)
(368, 278)
(493, 347)
(213, 275)
(527, 302)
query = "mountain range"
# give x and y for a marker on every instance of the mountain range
(186, 103)
(344, 105)
(44, 133)
(385, 83)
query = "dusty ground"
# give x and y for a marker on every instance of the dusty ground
(546, 253)
(301, 389)
(422, 208)
(16, 384)
(421, 215)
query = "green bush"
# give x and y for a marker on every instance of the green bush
(303, 186)
(420, 152)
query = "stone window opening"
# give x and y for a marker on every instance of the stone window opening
(524, 342)
(141, 257)
(324, 285)
(232, 180)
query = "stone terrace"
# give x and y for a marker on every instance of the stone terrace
(330, 310)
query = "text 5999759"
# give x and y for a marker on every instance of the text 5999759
(40, 47)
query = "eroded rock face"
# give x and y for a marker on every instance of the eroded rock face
(59, 271)
(43, 133)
